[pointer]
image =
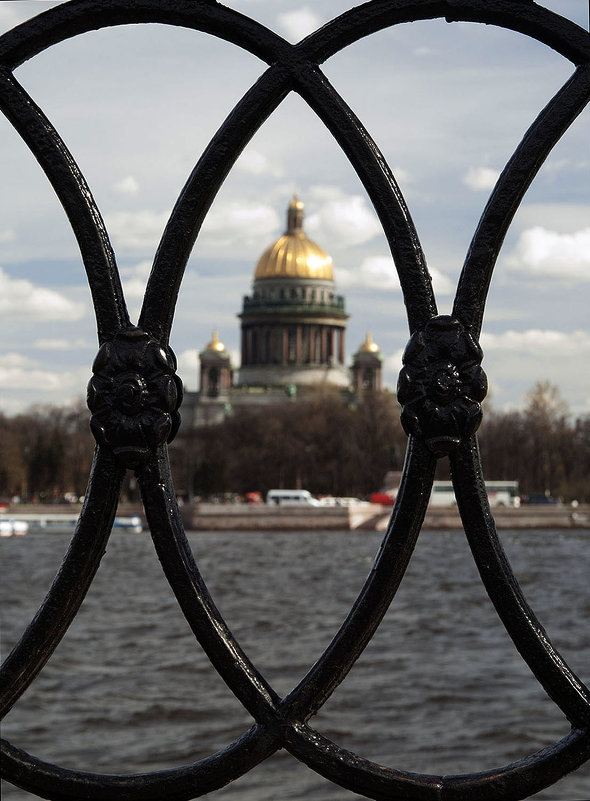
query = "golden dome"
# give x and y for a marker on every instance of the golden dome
(293, 255)
(215, 345)
(368, 345)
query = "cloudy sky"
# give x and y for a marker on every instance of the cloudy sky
(447, 105)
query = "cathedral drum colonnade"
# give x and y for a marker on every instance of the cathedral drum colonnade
(293, 319)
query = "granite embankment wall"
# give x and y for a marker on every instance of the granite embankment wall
(242, 517)
(215, 517)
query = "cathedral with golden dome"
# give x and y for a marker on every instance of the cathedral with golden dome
(293, 327)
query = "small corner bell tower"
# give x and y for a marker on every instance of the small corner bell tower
(216, 372)
(367, 366)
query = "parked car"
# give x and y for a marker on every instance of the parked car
(540, 497)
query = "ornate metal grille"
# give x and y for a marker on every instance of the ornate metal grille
(134, 396)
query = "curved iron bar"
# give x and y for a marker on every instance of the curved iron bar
(185, 549)
(77, 201)
(383, 190)
(377, 592)
(194, 202)
(175, 554)
(511, 782)
(450, 10)
(544, 25)
(380, 184)
(521, 16)
(71, 583)
(82, 16)
(212, 168)
(509, 191)
(560, 683)
(215, 163)
(176, 784)
(198, 194)
(225, 654)
(355, 773)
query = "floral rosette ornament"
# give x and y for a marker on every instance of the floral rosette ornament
(442, 384)
(134, 396)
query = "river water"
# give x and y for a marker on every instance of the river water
(440, 689)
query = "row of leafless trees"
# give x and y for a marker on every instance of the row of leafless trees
(45, 453)
(321, 445)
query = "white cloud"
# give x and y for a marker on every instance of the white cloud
(393, 364)
(188, 361)
(564, 217)
(228, 225)
(20, 298)
(51, 381)
(299, 23)
(140, 270)
(542, 252)
(540, 342)
(136, 230)
(20, 378)
(134, 280)
(25, 381)
(378, 272)
(7, 235)
(14, 360)
(515, 360)
(61, 344)
(402, 175)
(255, 163)
(127, 186)
(134, 289)
(233, 222)
(342, 218)
(480, 179)
(424, 51)
(440, 283)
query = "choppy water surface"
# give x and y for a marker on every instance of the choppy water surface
(440, 689)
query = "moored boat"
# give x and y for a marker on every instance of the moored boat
(13, 528)
(48, 522)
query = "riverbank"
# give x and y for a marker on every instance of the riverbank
(366, 517)
(372, 517)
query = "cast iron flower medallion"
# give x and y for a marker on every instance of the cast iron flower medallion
(134, 396)
(442, 384)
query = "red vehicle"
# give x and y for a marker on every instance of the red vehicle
(253, 497)
(383, 498)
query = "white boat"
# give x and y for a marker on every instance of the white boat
(13, 528)
(59, 524)
(132, 524)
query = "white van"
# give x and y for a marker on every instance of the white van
(290, 497)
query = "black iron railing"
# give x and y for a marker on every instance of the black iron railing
(134, 396)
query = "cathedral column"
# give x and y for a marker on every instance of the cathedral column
(312, 338)
(341, 346)
(285, 335)
(298, 345)
(248, 347)
(244, 353)
(324, 339)
(259, 345)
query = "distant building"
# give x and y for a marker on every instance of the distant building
(293, 328)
